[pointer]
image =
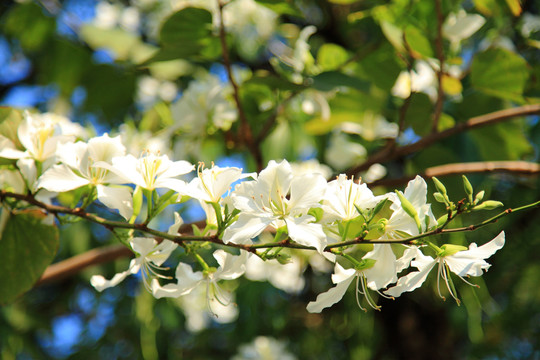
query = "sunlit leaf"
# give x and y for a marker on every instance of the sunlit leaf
(331, 57)
(28, 247)
(500, 73)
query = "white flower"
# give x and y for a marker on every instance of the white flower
(422, 79)
(199, 315)
(400, 221)
(312, 166)
(78, 169)
(40, 134)
(463, 263)
(376, 270)
(342, 195)
(264, 348)
(343, 153)
(266, 201)
(151, 256)
(206, 101)
(211, 184)
(461, 26)
(150, 171)
(287, 277)
(230, 267)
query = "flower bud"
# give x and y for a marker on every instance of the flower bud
(409, 209)
(468, 188)
(439, 197)
(283, 258)
(439, 185)
(479, 197)
(488, 205)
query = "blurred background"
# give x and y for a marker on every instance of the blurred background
(324, 81)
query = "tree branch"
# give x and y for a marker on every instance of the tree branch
(483, 120)
(516, 167)
(77, 263)
(245, 133)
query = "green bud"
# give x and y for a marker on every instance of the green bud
(479, 197)
(468, 188)
(442, 220)
(439, 197)
(488, 205)
(439, 185)
(409, 209)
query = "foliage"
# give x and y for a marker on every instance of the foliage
(378, 91)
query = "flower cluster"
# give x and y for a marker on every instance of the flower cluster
(300, 210)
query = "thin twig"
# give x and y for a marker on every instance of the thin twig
(245, 135)
(384, 155)
(77, 263)
(515, 167)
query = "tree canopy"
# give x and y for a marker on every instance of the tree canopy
(265, 179)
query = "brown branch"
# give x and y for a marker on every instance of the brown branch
(515, 167)
(385, 155)
(440, 56)
(245, 135)
(77, 263)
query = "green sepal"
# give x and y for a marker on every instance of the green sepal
(450, 249)
(365, 264)
(219, 214)
(317, 213)
(377, 209)
(164, 201)
(137, 203)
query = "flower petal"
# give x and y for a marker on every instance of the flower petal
(118, 198)
(61, 178)
(414, 279)
(329, 298)
(303, 232)
(245, 228)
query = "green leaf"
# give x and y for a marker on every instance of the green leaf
(281, 7)
(28, 247)
(119, 41)
(419, 114)
(381, 67)
(504, 141)
(9, 123)
(30, 25)
(329, 80)
(331, 57)
(500, 73)
(187, 33)
(418, 42)
(64, 64)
